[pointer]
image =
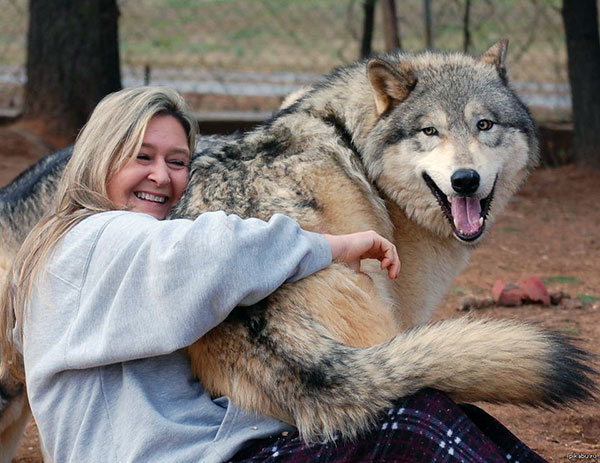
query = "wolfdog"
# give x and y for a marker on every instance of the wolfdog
(426, 149)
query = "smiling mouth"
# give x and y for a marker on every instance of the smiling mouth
(467, 215)
(150, 197)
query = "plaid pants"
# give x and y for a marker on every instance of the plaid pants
(425, 427)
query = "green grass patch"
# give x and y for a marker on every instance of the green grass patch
(563, 279)
(458, 290)
(570, 330)
(587, 298)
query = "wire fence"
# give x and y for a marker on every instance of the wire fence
(267, 48)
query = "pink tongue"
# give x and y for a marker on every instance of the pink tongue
(466, 213)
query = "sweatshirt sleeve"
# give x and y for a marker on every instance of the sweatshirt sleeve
(151, 287)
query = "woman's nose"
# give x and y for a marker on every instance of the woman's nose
(160, 173)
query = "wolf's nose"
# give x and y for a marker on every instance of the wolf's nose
(465, 181)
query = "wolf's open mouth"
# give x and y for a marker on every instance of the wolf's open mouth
(466, 214)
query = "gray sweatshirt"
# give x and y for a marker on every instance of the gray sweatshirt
(121, 295)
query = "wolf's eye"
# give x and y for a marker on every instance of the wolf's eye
(485, 124)
(430, 131)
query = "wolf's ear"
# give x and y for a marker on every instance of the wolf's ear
(496, 55)
(391, 83)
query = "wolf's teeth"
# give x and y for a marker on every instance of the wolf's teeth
(481, 221)
(455, 223)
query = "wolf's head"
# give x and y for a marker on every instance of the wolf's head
(451, 142)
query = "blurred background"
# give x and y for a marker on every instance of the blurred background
(243, 57)
(267, 48)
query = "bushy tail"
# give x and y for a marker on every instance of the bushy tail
(329, 389)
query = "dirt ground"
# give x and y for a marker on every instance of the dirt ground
(551, 229)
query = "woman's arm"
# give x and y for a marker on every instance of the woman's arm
(151, 287)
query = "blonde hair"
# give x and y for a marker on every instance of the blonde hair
(111, 138)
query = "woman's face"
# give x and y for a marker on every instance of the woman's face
(154, 181)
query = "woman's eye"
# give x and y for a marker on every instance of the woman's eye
(485, 124)
(143, 157)
(177, 163)
(430, 131)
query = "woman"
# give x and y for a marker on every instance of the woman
(104, 295)
(107, 295)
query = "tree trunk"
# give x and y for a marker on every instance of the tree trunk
(72, 61)
(368, 24)
(390, 25)
(580, 18)
(428, 24)
(467, 27)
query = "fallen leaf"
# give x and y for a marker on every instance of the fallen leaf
(535, 290)
(497, 289)
(512, 296)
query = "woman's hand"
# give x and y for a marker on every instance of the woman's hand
(354, 247)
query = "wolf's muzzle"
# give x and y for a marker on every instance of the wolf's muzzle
(465, 213)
